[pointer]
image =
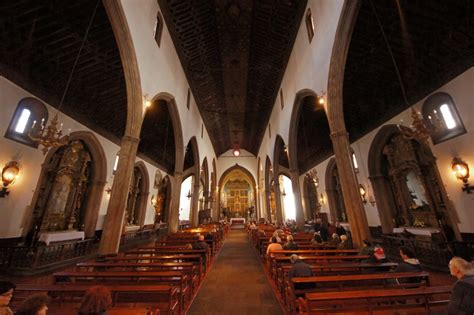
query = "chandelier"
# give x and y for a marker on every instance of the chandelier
(419, 129)
(52, 136)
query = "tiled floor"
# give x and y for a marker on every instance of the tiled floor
(236, 283)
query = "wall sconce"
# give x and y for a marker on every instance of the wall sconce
(189, 194)
(363, 193)
(9, 175)
(321, 98)
(283, 193)
(461, 171)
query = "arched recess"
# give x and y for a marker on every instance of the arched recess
(337, 208)
(95, 189)
(138, 195)
(407, 186)
(260, 189)
(205, 179)
(191, 167)
(245, 176)
(311, 198)
(271, 212)
(281, 164)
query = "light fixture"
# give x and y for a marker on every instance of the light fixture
(321, 98)
(146, 101)
(236, 151)
(52, 136)
(283, 192)
(363, 193)
(461, 171)
(9, 174)
(189, 194)
(354, 163)
(116, 163)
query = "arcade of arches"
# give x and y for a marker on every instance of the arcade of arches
(127, 123)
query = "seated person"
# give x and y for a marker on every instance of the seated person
(274, 245)
(367, 248)
(335, 240)
(277, 234)
(6, 294)
(34, 305)
(344, 244)
(200, 244)
(290, 244)
(96, 300)
(300, 269)
(409, 264)
(317, 239)
(462, 296)
(340, 230)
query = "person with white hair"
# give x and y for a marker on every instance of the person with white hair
(462, 295)
(300, 269)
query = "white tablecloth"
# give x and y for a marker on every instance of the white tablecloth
(232, 220)
(417, 231)
(51, 237)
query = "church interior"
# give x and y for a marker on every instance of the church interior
(236, 157)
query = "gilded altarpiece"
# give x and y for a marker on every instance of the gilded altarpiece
(63, 192)
(411, 169)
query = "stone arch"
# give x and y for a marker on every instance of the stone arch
(97, 184)
(228, 171)
(193, 170)
(384, 192)
(205, 178)
(268, 179)
(142, 198)
(294, 121)
(177, 128)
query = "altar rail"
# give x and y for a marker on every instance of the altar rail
(432, 254)
(43, 256)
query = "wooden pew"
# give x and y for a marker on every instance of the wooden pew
(423, 299)
(355, 282)
(69, 297)
(197, 258)
(189, 268)
(334, 269)
(174, 278)
(150, 252)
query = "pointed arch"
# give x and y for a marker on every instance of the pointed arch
(143, 193)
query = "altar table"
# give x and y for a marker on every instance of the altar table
(237, 221)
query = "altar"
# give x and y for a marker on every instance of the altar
(51, 237)
(237, 221)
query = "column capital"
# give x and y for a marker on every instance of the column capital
(338, 134)
(130, 139)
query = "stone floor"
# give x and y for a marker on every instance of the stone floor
(236, 284)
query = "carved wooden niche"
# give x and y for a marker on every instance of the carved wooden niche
(64, 189)
(414, 182)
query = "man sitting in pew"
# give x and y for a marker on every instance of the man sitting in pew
(409, 264)
(200, 243)
(462, 296)
(300, 269)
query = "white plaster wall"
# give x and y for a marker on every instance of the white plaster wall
(14, 209)
(246, 160)
(462, 92)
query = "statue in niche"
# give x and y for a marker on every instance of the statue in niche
(60, 204)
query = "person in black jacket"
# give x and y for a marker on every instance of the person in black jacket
(300, 269)
(462, 295)
(409, 264)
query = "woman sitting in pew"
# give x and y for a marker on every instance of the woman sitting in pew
(290, 244)
(96, 301)
(34, 305)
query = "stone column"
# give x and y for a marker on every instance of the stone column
(195, 204)
(350, 188)
(279, 211)
(142, 206)
(173, 216)
(295, 183)
(206, 199)
(113, 224)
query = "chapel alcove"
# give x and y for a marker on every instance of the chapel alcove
(407, 186)
(137, 197)
(237, 193)
(335, 198)
(69, 189)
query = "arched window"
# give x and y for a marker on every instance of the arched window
(27, 111)
(443, 118)
(158, 28)
(309, 24)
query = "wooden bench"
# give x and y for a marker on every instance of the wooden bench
(151, 252)
(173, 278)
(422, 299)
(189, 268)
(64, 297)
(355, 282)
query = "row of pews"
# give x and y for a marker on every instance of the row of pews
(344, 282)
(160, 278)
